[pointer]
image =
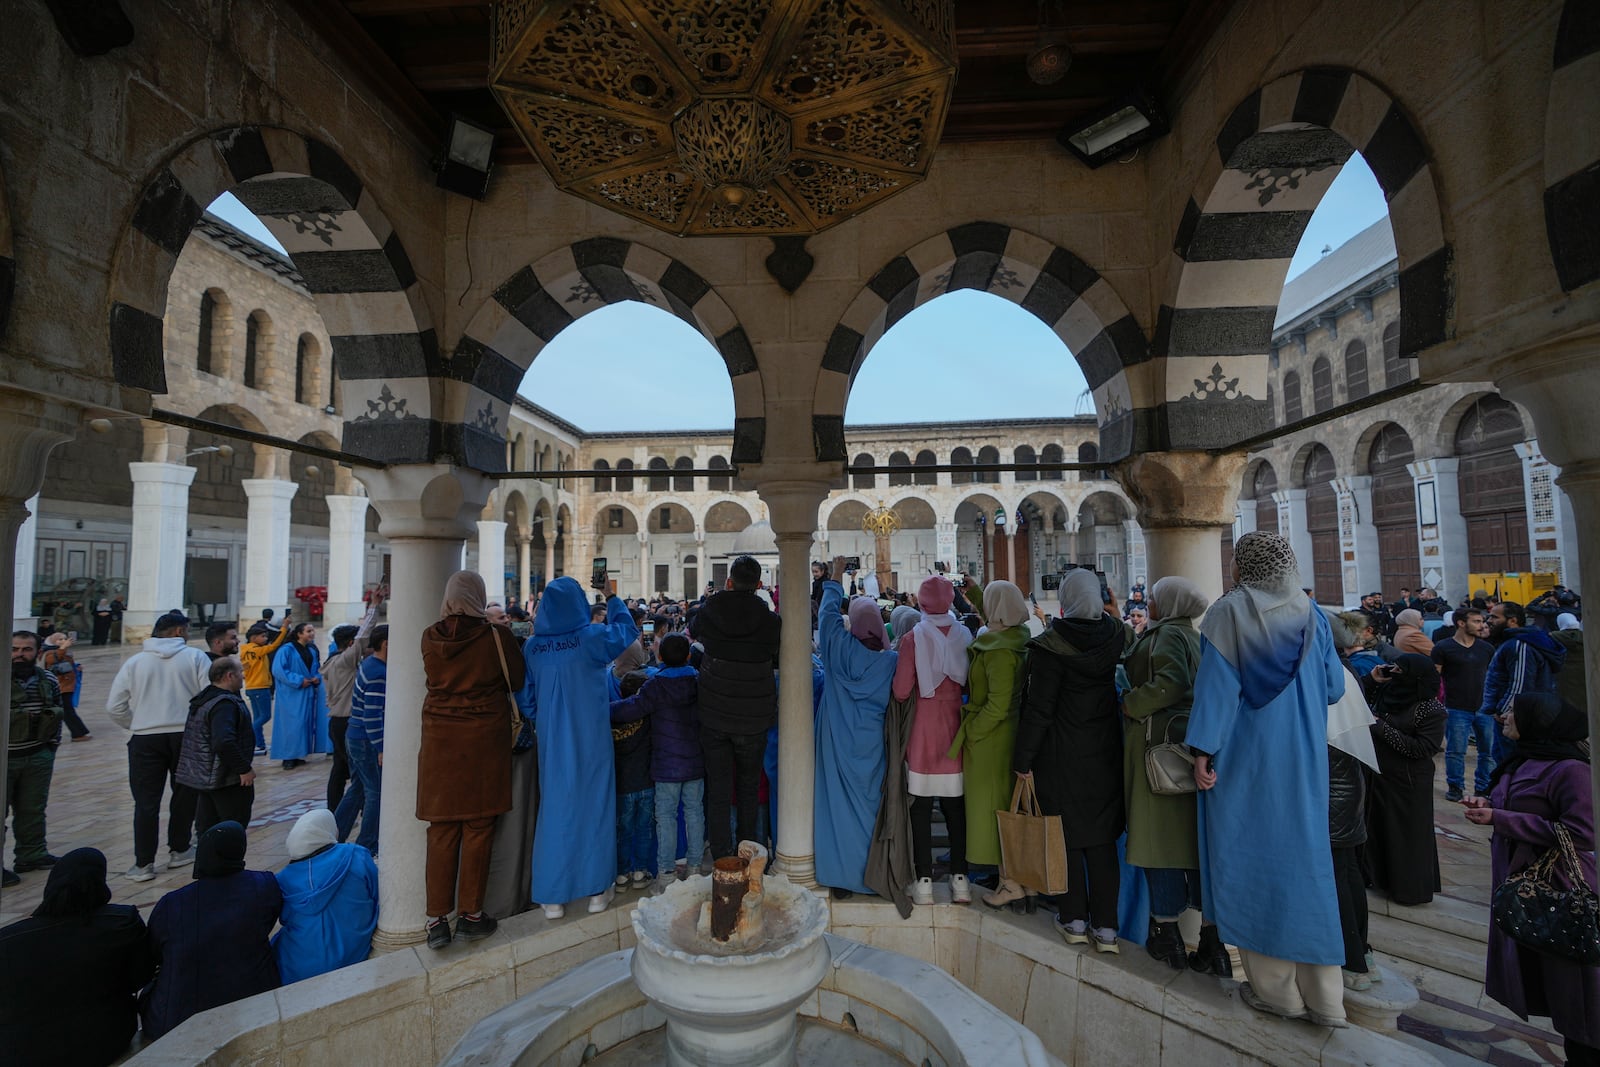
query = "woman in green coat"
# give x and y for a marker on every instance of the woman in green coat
(1163, 835)
(989, 727)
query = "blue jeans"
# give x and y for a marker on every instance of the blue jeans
(1481, 725)
(635, 833)
(693, 797)
(1172, 889)
(260, 712)
(364, 796)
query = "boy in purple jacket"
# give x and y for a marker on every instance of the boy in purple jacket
(676, 764)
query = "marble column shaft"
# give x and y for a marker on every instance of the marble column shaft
(159, 538)
(347, 558)
(22, 616)
(266, 571)
(492, 558)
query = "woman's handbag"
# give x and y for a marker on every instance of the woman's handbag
(521, 725)
(1169, 766)
(1531, 909)
(1033, 848)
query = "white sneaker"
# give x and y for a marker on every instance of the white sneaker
(641, 879)
(554, 911)
(136, 873)
(600, 901)
(960, 889)
(922, 891)
(622, 881)
(180, 859)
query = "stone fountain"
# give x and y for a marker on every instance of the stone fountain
(728, 972)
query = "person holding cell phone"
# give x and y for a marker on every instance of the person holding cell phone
(1401, 856)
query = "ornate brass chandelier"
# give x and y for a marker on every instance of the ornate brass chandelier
(728, 116)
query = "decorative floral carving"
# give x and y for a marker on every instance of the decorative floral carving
(832, 189)
(386, 408)
(734, 141)
(319, 224)
(579, 141)
(509, 18)
(590, 51)
(1274, 180)
(582, 293)
(891, 131)
(1004, 278)
(1216, 386)
(716, 39)
(844, 45)
(487, 420)
(661, 194)
(761, 212)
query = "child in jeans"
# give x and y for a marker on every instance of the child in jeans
(630, 741)
(676, 764)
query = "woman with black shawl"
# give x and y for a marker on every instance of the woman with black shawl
(210, 937)
(79, 952)
(1402, 858)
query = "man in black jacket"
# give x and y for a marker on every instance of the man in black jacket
(214, 759)
(738, 699)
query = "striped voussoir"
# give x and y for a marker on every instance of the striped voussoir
(1048, 281)
(384, 349)
(8, 262)
(1572, 161)
(1275, 157)
(539, 301)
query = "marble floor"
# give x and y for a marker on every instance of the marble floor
(90, 805)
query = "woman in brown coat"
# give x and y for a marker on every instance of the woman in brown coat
(464, 766)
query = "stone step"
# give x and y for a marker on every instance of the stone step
(1380, 1007)
(1447, 914)
(1426, 945)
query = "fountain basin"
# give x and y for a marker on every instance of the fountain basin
(726, 1007)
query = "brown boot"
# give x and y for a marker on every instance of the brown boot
(1005, 893)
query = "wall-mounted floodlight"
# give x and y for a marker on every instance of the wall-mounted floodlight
(1114, 131)
(467, 160)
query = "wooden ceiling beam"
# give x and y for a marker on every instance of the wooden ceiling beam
(350, 41)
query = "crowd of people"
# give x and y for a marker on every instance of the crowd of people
(594, 746)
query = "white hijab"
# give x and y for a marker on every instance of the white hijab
(312, 831)
(941, 649)
(1080, 596)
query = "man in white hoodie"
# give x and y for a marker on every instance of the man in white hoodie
(150, 697)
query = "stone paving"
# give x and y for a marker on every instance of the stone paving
(90, 805)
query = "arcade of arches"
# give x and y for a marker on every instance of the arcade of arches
(1162, 275)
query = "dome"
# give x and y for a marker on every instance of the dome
(757, 539)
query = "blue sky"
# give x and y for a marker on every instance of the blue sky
(634, 367)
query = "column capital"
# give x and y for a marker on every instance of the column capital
(268, 488)
(30, 426)
(427, 500)
(793, 504)
(162, 473)
(1182, 489)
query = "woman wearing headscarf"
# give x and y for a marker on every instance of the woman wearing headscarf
(1408, 635)
(330, 901)
(472, 669)
(575, 840)
(857, 670)
(1069, 739)
(1162, 836)
(933, 664)
(298, 699)
(101, 634)
(1402, 858)
(1259, 730)
(902, 621)
(1544, 782)
(79, 951)
(988, 733)
(1347, 812)
(209, 938)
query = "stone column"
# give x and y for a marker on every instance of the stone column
(160, 535)
(1011, 556)
(347, 558)
(1358, 538)
(22, 616)
(266, 573)
(550, 553)
(988, 574)
(525, 569)
(1547, 536)
(492, 558)
(1292, 525)
(793, 506)
(1137, 554)
(1442, 543)
(1244, 519)
(645, 577)
(426, 512)
(1184, 501)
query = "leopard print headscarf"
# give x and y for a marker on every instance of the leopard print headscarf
(1263, 559)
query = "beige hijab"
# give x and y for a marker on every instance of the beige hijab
(1178, 598)
(1003, 605)
(464, 594)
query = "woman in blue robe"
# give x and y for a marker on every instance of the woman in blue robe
(858, 671)
(330, 901)
(299, 706)
(567, 693)
(1259, 729)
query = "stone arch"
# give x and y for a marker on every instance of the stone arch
(662, 500)
(537, 302)
(260, 350)
(1056, 499)
(1114, 506)
(920, 495)
(1443, 436)
(1299, 462)
(1273, 159)
(1046, 280)
(1361, 454)
(350, 257)
(309, 507)
(1572, 158)
(603, 506)
(308, 370)
(702, 521)
(972, 497)
(214, 333)
(848, 510)
(716, 483)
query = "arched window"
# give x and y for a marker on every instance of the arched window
(602, 484)
(1355, 370)
(1321, 386)
(683, 483)
(1291, 397)
(1262, 487)
(256, 339)
(1396, 371)
(899, 477)
(864, 479)
(207, 333)
(1052, 454)
(624, 481)
(926, 458)
(304, 368)
(1025, 454)
(719, 482)
(962, 455)
(1089, 452)
(659, 483)
(988, 455)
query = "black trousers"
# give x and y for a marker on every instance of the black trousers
(339, 773)
(152, 762)
(733, 762)
(231, 803)
(955, 823)
(1093, 882)
(1352, 888)
(1580, 1055)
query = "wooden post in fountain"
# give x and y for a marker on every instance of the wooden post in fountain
(728, 887)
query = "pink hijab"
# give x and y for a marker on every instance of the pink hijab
(866, 623)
